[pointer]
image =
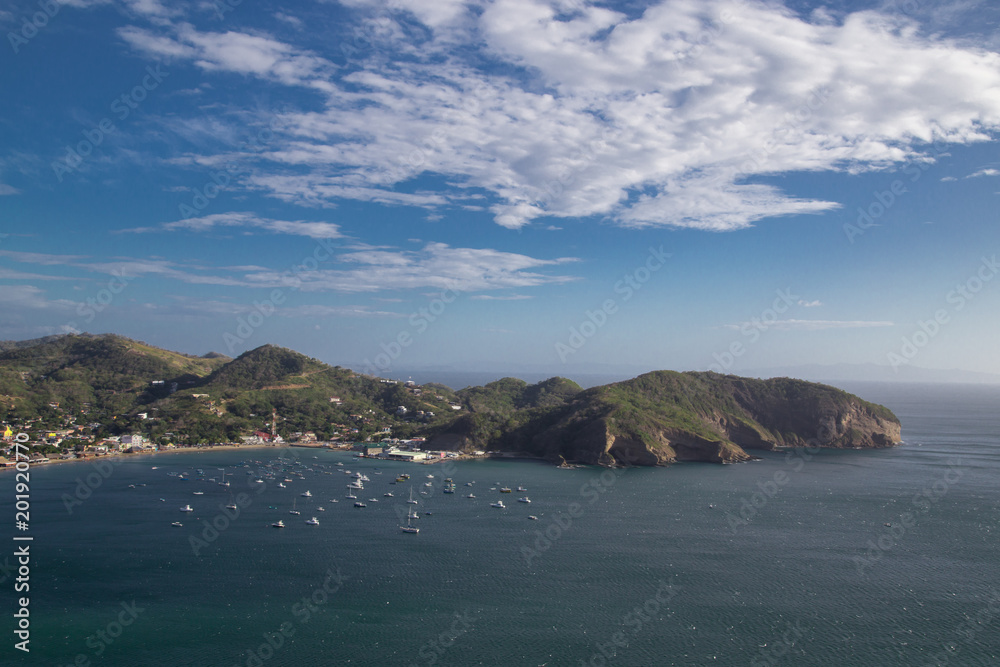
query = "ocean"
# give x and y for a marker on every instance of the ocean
(847, 558)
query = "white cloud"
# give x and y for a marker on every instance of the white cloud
(365, 269)
(666, 118)
(814, 325)
(810, 304)
(948, 179)
(490, 297)
(316, 230)
(984, 172)
(437, 266)
(8, 190)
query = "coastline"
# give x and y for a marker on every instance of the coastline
(152, 453)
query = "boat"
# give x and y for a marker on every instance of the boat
(408, 528)
(351, 496)
(498, 504)
(468, 483)
(360, 504)
(505, 489)
(199, 493)
(533, 517)
(387, 494)
(281, 485)
(521, 489)
(163, 500)
(430, 476)
(340, 464)
(313, 521)
(306, 495)
(177, 524)
(411, 501)
(278, 524)
(413, 515)
(320, 509)
(429, 484)
(231, 506)
(471, 495)
(525, 499)
(187, 508)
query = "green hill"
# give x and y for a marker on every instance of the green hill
(665, 416)
(115, 385)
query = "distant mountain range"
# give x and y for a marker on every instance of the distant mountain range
(115, 385)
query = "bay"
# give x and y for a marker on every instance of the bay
(787, 560)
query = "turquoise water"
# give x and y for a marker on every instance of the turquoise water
(642, 567)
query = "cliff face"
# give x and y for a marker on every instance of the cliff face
(665, 417)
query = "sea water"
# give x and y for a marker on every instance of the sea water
(866, 558)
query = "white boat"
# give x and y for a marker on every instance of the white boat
(351, 496)
(413, 515)
(525, 499)
(521, 489)
(387, 494)
(498, 504)
(281, 485)
(429, 484)
(306, 495)
(177, 524)
(340, 464)
(199, 493)
(411, 501)
(278, 524)
(533, 517)
(187, 508)
(360, 504)
(294, 510)
(408, 528)
(313, 521)
(471, 495)
(430, 476)
(320, 509)
(231, 506)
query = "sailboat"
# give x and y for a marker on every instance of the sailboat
(408, 528)
(293, 510)
(411, 501)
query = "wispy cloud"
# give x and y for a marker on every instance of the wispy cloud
(316, 230)
(814, 325)
(984, 172)
(810, 304)
(635, 117)
(490, 297)
(367, 269)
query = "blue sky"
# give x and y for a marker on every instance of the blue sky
(566, 186)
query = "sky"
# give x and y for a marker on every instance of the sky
(564, 186)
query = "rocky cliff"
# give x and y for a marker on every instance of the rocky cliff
(664, 417)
